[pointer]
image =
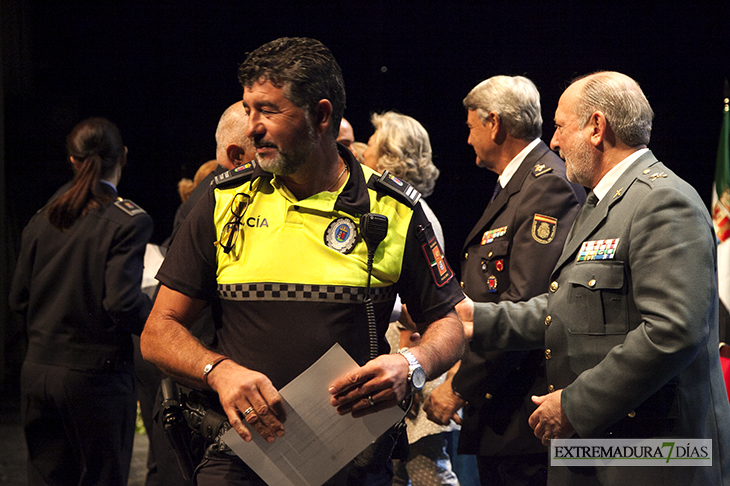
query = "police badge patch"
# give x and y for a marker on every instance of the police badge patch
(544, 228)
(341, 235)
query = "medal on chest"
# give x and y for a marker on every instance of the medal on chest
(492, 284)
(598, 250)
(490, 235)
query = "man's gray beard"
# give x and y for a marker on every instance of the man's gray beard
(581, 166)
(287, 164)
(281, 164)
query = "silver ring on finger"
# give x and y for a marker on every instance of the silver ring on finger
(371, 402)
(247, 412)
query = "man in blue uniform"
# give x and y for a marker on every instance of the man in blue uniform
(508, 256)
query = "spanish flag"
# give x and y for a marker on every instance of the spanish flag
(721, 217)
(721, 193)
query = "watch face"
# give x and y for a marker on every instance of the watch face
(418, 378)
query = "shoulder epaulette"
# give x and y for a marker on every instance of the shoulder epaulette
(392, 186)
(540, 169)
(652, 174)
(128, 207)
(235, 177)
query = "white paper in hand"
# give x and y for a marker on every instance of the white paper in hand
(317, 441)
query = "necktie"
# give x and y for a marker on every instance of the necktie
(497, 189)
(588, 207)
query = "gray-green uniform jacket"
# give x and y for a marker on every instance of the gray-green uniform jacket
(630, 330)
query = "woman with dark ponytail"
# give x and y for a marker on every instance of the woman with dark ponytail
(78, 286)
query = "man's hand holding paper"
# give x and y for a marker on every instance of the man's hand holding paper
(380, 384)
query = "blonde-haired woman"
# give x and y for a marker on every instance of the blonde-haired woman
(401, 146)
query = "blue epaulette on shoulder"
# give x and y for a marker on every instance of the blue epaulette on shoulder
(235, 177)
(392, 186)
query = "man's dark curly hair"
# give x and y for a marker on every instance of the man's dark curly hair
(304, 68)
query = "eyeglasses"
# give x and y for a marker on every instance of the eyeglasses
(229, 234)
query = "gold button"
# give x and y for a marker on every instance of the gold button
(551, 388)
(592, 282)
(632, 414)
(462, 284)
(554, 287)
(466, 255)
(646, 171)
(489, 255)
(548, 320)
(548, 354)
(488, 396)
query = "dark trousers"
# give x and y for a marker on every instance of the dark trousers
(525, 470)
(79, 425)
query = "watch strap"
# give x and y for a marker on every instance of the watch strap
(412, 361)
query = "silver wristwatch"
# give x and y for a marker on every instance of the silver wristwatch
(416, 374)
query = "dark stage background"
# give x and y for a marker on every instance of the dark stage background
(164, 71)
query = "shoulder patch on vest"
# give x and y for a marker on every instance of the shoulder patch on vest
(400, 190)
(129, 207)
(440, 270)
(540, 169)
(235, 177)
